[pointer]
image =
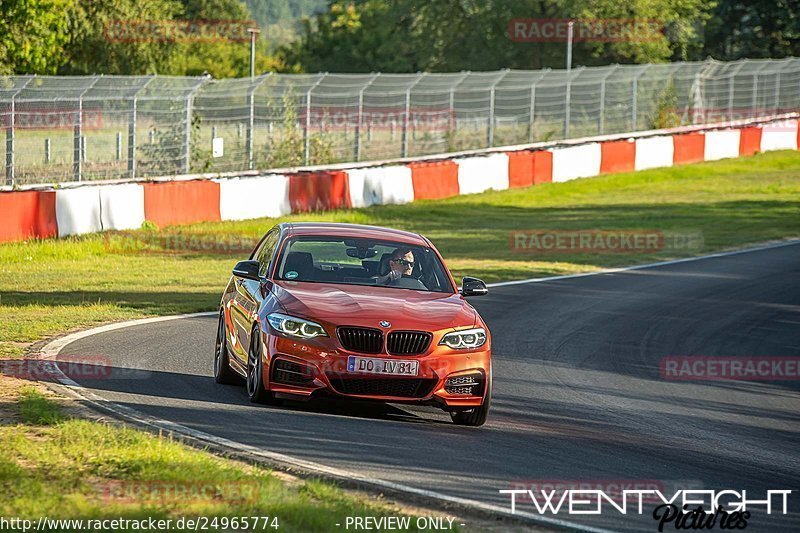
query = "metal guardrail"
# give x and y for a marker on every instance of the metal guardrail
(61, 129)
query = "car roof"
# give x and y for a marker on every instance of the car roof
(339, 229)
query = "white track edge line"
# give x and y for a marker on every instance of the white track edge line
(648, 265)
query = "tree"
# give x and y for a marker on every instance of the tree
(754, 28)
(106, 37)
(32, 33)
(449, 35)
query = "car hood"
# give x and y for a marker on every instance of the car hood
(366, 306)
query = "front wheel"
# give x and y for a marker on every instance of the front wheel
(477, 416)
(223, 373)
(255, 375)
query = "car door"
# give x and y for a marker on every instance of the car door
(247, 298)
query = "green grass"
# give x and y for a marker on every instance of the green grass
(48, 287)
(61, 467)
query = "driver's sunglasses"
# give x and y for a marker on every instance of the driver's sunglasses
(404, 262)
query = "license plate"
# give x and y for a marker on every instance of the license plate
(370, 365)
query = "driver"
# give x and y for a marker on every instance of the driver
(401, 263)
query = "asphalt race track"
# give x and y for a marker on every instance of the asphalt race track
(578, 395)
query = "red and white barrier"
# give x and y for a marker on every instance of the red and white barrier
(722, 144)
(247, 198)
(654, 152)
(80, 209)
(380, 186)
(478, 174)
(121, 206)
(779, 136)
(580, 161)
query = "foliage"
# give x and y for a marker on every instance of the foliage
(287, 147)
(754, 28)
(32, 35)
(451, 35)
(280, 20)
(167, 153)
(665, 114)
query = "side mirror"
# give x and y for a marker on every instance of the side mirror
(473, 287)
(247, 270)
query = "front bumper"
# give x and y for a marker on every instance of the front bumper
(306, 369)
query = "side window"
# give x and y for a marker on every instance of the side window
(265, 253)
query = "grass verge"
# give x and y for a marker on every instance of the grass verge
(55, 465)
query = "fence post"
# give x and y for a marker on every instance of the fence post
(132, 139)
(306, 128)
(532, 114)
(568, 102)
(307, 122)
(10, 178)
(251, 121)
(360, 117)
(490, 122)
(77, 160)
(187, 154)
(492, 96)
(602, 117)
(635, 99)
(731, 90)
(78, 146)
(404, 134)
(754, 103)
(11, 175)
(187, 141)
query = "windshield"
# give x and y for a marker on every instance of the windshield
(362, 262)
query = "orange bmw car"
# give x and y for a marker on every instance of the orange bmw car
(354, 311)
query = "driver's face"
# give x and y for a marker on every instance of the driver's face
(404, 264)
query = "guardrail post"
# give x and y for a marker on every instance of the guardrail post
(10, 178)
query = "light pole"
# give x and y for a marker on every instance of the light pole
(253, 32)
(570, 27)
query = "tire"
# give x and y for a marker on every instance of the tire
(477, 416)
(223, 373)
(255, 375)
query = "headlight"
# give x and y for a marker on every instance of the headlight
(295, 327)
(465, 339)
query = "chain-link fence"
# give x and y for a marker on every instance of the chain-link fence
(104, 127)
